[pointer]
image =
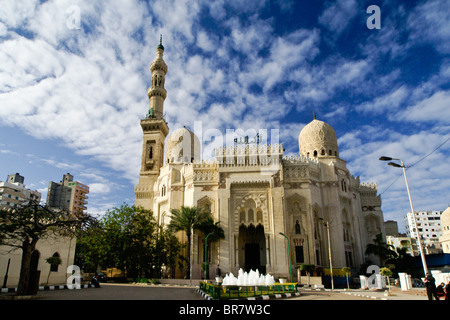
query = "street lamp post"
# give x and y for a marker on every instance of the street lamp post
(206, 254)
(289, 254)
(396, 165)
(327, 224)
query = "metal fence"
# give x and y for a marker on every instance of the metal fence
(219, 292)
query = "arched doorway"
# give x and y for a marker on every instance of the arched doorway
(252, 248)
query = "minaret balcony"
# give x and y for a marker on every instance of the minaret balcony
(157, 91)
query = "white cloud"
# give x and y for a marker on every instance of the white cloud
(429, 23)
(99, 188)
(433, 108)
(362, 149)
(388, 102)
(77, 97)
(86, 88)
(205, 42)
(338, 15)
(15, 13)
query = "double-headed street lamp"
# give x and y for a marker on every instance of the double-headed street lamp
(206, 255)
(327, 224)
(396, 165)
(289, 254)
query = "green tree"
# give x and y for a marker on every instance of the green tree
(90, 252)
(347, 271)
(124, 238)
(53, 261)
(166, 253)
(387, 273)
(187, 219)
(381, 249)
(23, 226)
(308, 268)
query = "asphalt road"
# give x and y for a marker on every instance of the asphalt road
(138, 292)
(122, 292)
(184, 303)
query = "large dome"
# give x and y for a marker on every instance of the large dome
(318, 139)
(445, 220)
(183, 146)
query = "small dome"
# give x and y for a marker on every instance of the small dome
(183, 146)
(445, 220)
(318, 139)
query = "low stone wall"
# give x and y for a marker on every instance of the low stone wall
(186, 282)
(313, 280)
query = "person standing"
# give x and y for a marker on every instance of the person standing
(430, 284)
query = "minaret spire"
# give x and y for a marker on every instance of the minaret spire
(157, 93)
(160, 46)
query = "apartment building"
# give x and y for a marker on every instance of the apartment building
(68, 194)
(429, 229)
(14, 193)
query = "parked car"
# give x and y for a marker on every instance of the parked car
(101, 277)
(417, 283)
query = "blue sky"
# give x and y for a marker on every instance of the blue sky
(74, 76)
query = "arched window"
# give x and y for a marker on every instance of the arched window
(242, 216)
(259, 216)
(250, 215)
(297, 227)
(315, 153)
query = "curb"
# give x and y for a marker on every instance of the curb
(262, 297)
(46, 288)
(365, 296)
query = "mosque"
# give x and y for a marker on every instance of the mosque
(261, 197)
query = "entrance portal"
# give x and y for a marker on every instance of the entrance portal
(252, 257)
(252, 248)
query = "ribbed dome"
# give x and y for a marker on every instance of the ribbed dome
(183, 146)
(318, 139)
(445, 220)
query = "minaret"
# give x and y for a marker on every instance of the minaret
(155, 130)
(156, 92)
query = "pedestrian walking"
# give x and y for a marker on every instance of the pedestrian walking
(430, 284)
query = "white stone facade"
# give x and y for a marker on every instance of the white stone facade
(256, 192)
(445, 237)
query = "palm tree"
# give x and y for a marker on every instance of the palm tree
(381, 249)
(209, 226)
(187, 219)
(347, 271)
(213, 229)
